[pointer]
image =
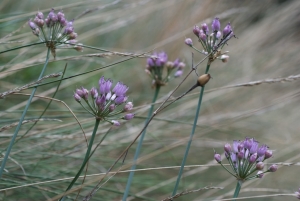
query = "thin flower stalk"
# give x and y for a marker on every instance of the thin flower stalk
(155, 68)
(105, 104)
(212, 45)
(8, 150)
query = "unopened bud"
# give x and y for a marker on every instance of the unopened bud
(115, 123)
(128, 116)
(273, 168)
(170, 64)
(217, 157)
(203, 79)
(188, 42)
(260, 174)
(224, 58)
(260, 166)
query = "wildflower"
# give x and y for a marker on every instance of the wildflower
(55, 31)
(213, 42)
(247, 157)
(106, 102)
(155, 68)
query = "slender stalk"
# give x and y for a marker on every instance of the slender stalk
(28, 45)
(237, 188)
(138, 149)
(86, 158)
(22, 117)
(191, 137)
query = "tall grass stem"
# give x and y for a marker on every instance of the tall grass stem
(191, 137)
(22, 117)
(139, 146)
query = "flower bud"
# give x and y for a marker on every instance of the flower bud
(77, 97)
(112, 107)
(217, 157)
(72, 35)
(224, 58)
(218, 35)
(203, 79)
(78, 47)
(226, 30)
(128, 106)
(94, 93)
(115, 123)
(227, 148)
(260, 174)
(181, 65)
(273, 168)
(202, 36)
(32, 25)
(196, 30)
(128, 116)
(40, 15)
(253, 158)
(241, 154)
(260, 166)
(170, 65)
(216, 25)
(205, 28)
(268, 154)
(188, 42)
(178, 73)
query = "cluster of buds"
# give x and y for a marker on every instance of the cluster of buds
(54, 30)
(213, 42)
(245, 158)
(104, 103)
(155, 68)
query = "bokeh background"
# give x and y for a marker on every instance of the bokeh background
(266, 47)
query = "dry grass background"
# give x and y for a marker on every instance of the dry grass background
(267, 47)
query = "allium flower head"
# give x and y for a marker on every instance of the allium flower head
(246, 159)
(212, 42)
(156, 65)
(106, 102)
(56, 33)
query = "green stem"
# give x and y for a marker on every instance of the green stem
(237, 188)
(191, 137)
(48, 105)
(86, 158)
(22, 118)
(138, 149)
(28, 45)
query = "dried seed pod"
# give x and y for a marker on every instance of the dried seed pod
(203, 79)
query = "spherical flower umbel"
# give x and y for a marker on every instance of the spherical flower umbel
(55, 31)
(156, 65)
(213, 42)
(106, 103)
(246, 159)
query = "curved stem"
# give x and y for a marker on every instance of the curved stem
(22, 118)
(191, 137)
(237, 188)
(86, 158)
(138, 149)
(28, 45)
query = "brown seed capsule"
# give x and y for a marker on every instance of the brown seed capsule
(203, 79)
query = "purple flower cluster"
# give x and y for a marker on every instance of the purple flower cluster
(214, 40)
(246, 157)
(155, 68)
(55, 30)
(105, 101)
